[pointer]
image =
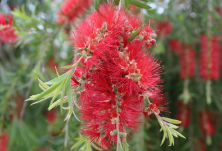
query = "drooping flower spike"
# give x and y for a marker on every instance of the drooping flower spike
(118, 74)
(209, 58)
(187, 62)
(114, 76)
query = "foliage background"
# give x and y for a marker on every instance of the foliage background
(44, 42)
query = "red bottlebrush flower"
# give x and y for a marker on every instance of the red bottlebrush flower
(187, 62)
(164, 28)
(209, 58)
(7, 33)
(116, 74)
(71, 9)
(205, 123)
(3, 141)
(51, 115)
(175, 45)
(183, 114)
(199, 144)
(53, 65)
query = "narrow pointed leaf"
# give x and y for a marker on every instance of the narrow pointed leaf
(171, 120)
(58, 79)
(77, 144)
(134, 34)
(140, 4)
(44, 93)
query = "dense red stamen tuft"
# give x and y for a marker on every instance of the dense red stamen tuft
(187, 62)
(7, 33)
(209, 58)
(116, 74)
(71, 9)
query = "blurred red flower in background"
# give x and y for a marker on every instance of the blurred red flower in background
(71, 9)
(4, 141)
(175, 45)
(205, 123)
(187, 62)
(209, 58)
(7, 33)
(164, 28)
(53, 65)
(51, 115)
(183, 114)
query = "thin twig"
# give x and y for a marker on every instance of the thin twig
(66, 133)
(26, 96)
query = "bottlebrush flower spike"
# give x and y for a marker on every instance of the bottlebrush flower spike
(175, 46)
(205, 123)
(118, 74)
(164, 28)
(209, 58)
(183, 114)
(187, 62)
(113, 75)
(71, 9)
(3, 141)
(7, 33)
(51, 115)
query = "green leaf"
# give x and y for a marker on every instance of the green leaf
(126, 147)
(69, 93)
(57, 79)
(57, 91)
(66, 67)
(54, 104)
(97, 3)
(178, 133)
(134, 34)
(127, 3)
(171, 120)
(41, 100)
(77, 144)
(42, 85)
(140, 4)
(44, 93)
(171, 140)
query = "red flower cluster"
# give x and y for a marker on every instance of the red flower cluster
(175, 45)
(164, 28)
(116, 74)
(51, 115)
(187, 62)
(209, 58)
(7, 33)
(71, 9)
(3, 141)
(205, 123)
(183, 114)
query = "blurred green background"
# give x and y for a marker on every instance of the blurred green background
(44, 44)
